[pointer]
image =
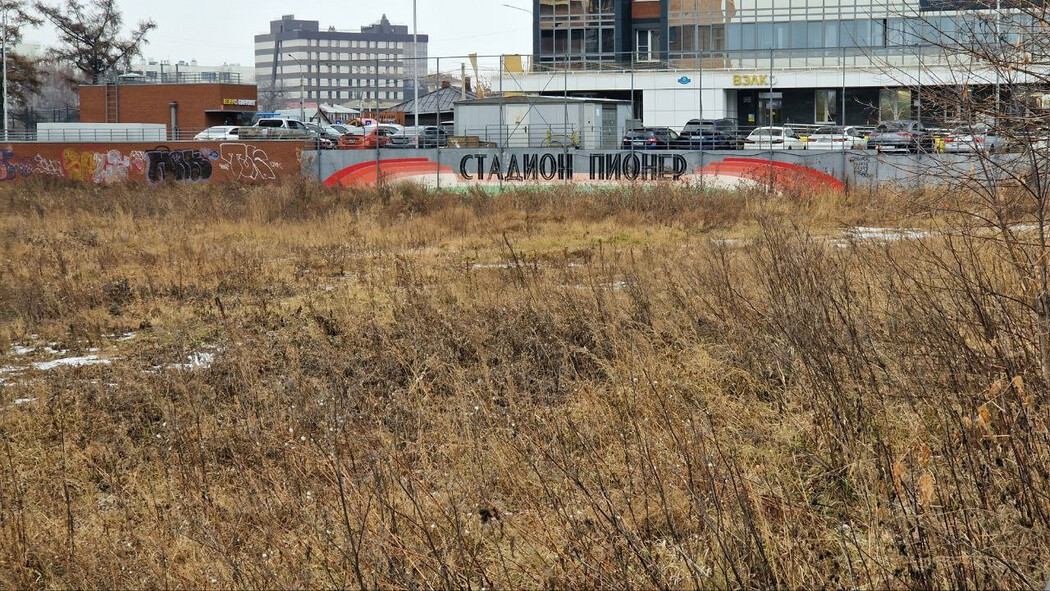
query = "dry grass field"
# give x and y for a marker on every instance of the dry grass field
(291, 387)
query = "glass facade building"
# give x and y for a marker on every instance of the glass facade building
(773, 61)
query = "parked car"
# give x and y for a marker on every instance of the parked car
(773, 138)
(708, 134)
(433, 137)
(428, 136)
(343, 129)
(836, 137)
(331, 137)
(219, 132)
(906, 135)
(278, 128)
(973, 139)
(650, 138)
(360, 140)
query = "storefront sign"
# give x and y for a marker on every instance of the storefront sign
(751, 80)
(239, 102)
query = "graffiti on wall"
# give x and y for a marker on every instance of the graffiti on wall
(247, 162)
(11, 167)
(100, 168)
(47, 166)
(107, 165)
(166, 165)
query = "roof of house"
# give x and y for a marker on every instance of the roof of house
(439, 101)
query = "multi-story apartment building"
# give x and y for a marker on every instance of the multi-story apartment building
(766, 61)
(373, 66)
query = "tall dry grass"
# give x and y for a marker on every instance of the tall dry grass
(616, 388)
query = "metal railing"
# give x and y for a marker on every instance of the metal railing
(725, 59)
(176, 77)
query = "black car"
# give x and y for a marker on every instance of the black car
(650, 138)
(709, 134)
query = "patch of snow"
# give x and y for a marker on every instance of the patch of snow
(886, 234)
(71, 362)
(199, 360)
(126, 336)
(20, 350)
(492, 266)
(21, 401)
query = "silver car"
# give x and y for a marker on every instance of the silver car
(973, 139)
(836, 137)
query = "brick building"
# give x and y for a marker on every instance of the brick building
(184, 108)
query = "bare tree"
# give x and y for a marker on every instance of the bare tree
(271, 97)
(57, 89)
(23, 72)
(89, 36)
(983, 76)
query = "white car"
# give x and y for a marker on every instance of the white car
(836, 137)
(219, 132)
(971, 139)
(773, 138)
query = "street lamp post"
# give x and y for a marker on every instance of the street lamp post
(518, 8)
(415, 66)
(3, 53)
(302, 89)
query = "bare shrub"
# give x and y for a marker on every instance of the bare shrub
(395, 388)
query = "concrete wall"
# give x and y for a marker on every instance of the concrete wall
(273, 161)
(784, 170)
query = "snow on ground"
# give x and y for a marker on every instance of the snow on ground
(886, 234)
(198, 360)
(71, 362)
(493, 266)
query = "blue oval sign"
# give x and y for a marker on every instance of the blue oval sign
(685, 80)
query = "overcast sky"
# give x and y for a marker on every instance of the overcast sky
(214, 32)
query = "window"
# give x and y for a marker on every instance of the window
(827, 106)
(647, 45)
(781, 35)
(831, 34)
(894, 104)
(815, 34)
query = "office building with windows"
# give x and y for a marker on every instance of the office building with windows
(766, 62)
(375, 66)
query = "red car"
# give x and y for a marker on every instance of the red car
(376, 138)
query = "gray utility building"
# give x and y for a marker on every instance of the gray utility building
(544, 121)
(372, 67)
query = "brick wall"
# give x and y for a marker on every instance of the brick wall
(149, 103)
(645, 9)
(179, 162)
